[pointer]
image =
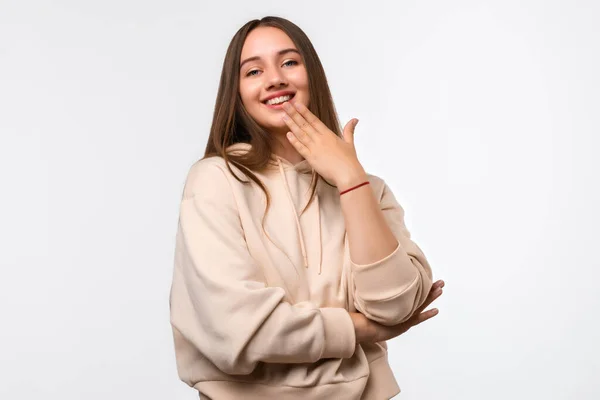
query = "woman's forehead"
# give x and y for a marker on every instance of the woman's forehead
(265, 42)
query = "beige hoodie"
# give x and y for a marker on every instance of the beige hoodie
(262, 311)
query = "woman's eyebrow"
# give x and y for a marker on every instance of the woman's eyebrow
(279, 53)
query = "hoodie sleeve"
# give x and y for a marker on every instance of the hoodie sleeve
(388, 291)
(219, 301)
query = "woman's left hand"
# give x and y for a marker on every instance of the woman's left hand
(332, 157)
(371, 332)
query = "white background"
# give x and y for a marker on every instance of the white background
(482, 116)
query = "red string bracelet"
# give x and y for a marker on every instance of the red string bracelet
(355, 187)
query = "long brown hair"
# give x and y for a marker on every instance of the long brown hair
(231, 122)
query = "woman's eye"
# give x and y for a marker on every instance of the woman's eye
(255, 72)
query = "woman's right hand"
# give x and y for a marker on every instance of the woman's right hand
(368, 331)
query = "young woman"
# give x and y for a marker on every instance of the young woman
(293, 266)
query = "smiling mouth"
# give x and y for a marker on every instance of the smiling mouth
(279, 100)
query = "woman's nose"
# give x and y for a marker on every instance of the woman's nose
(275, 78)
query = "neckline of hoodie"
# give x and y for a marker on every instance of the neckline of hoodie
(302, 167)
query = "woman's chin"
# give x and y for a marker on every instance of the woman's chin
(279, 128)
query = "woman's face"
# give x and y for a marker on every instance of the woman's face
(271, 67)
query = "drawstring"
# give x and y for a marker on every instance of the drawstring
(243, 147)
(302, 247)
(319, 227)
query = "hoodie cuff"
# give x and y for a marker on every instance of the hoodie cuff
(379, 262)
(340, 338)
(386, 278)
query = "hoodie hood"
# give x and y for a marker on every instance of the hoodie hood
(283, 166)
(303, 167)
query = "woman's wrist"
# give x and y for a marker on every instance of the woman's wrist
(361, 326)
(351, 179)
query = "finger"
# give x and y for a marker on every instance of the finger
(302, 149)
(413, 321)
(299, 119)
(311, 118)
(425, 316)
(435, 290)
(299, 133)
(349, 131)
(433, 294)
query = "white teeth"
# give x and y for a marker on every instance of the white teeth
(278, 100)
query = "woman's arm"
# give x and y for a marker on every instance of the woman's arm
(219, 301)
(369, 235)
(391, 275)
